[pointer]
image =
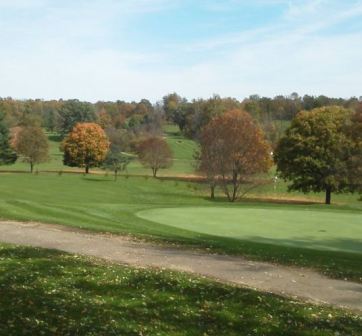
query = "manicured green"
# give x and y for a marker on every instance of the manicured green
(45, 292)
(98, 203)
(320, 230)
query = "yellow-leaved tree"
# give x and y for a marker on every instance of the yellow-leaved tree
(85, 146)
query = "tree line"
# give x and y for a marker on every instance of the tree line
(319, 149)
(87, 145)
(273, 114)
(61, 115)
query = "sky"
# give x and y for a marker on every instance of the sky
(133, 49)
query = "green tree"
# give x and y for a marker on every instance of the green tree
(314, 153)
(117, 162)
(32, 144)
(355, 158)
(7, 154)
(171, 104)
(73, 112)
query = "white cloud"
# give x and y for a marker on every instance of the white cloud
(65, 53)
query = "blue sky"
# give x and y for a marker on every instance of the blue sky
(133, 49)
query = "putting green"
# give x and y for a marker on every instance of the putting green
(322, 230)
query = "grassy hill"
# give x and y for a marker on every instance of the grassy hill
(183, 151)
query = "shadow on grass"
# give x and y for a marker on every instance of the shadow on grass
(98, 179)
(55, 137)
(261, 200)
(53, 293)
(335, 264)
(343, 245)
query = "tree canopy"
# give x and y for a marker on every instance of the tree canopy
(355, 161)
(7, 154)
(233, 148)
(85, 146)
(117, 162)
(315, 152)
(155, 153)
(73, 112)
(32, 144)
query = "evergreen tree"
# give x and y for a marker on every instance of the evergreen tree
(7, 154)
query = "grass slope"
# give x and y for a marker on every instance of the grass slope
(183, 155)
(45, 292)
(183, 152)
(99, 203)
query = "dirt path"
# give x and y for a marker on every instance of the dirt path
(289, 281)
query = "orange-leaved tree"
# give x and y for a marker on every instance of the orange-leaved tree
(155, 153)
(233, 148)
(85, 146)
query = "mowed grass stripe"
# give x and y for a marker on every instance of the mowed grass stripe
(100, 204)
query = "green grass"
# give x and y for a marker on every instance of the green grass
(182, 149)
(98, 203)
(320, 230)
(45, 292)
(183, 155)
(54, 163)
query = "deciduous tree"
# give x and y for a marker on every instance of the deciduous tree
(32, 144)
(314, 154)
(355, 158)
(73, 112)
(155, 153)
(7, 154)
(85, 146)
(233, 149)
(117, 162)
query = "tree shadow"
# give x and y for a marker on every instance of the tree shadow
(55, 137)
(54, 293)
(346, 245)
(99, 179)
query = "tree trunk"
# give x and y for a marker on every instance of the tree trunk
(235, 187)
(154, 172)
(31, 167)
(212, 191)
(328, 195)
(115, 174)
(87, 169)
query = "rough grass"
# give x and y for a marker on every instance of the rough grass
(98, 203)
(45, 292)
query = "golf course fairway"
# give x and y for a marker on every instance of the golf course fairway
(321, 230)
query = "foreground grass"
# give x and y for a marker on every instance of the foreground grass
(46, 292)
(100, 204)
